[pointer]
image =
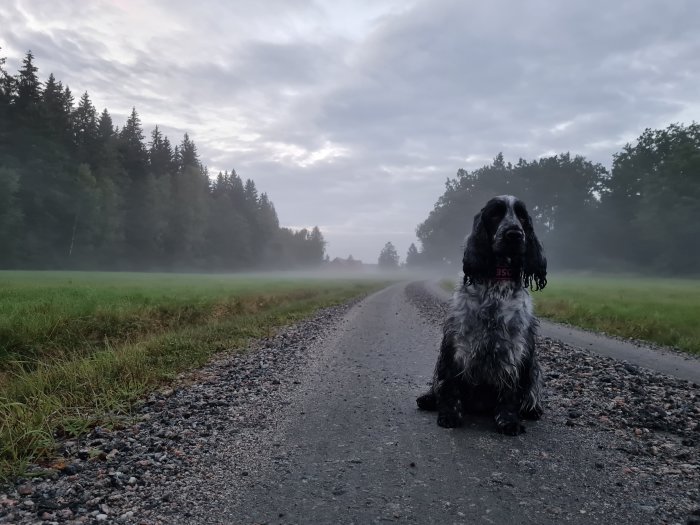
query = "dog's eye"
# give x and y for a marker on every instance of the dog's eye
(520, 213)
(496, 211)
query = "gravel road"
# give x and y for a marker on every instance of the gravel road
(318, 425)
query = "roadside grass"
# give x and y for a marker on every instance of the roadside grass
(662, 311)
(77, 349)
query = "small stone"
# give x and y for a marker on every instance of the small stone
(65, 514)
(132, 480)
(101, 517)
(25, 490)
(28, 504)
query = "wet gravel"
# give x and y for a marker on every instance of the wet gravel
(647, 426)
(653, 419)
(140, 474)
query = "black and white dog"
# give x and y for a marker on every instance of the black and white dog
(487, 360)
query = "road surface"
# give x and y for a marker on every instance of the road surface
(356, 450)
(318, 424)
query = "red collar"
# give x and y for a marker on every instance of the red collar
(503, 273)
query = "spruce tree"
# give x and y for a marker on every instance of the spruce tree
(412, 256)
(85, 129)
(388, 257)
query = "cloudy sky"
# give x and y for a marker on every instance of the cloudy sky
(351, 114)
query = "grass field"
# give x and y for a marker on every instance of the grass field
(77, 349)
(663, 311)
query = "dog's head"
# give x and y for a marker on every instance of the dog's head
(503, 235)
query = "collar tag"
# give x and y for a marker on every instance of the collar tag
(503, 273)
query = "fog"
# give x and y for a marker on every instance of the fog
(227, 137)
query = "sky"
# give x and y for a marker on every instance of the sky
(351, 115)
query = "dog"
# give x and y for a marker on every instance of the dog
(487, 361)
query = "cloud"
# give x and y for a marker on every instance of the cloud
(352, 115)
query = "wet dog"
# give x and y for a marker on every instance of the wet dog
(487, 360)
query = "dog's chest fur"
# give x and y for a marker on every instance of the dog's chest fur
(489, 324)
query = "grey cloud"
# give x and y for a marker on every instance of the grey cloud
(426, 88)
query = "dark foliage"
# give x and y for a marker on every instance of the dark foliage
(388, 257)
(76, 193)
(640, 216)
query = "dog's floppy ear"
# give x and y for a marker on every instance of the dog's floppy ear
(478, 255)
(535, 264)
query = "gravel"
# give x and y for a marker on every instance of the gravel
(651, 418)
(138, 474)
(646, 424)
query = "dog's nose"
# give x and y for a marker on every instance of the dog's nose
(514, 235)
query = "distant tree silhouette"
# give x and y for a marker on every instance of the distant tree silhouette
(388, 257)
(412, 257)
(642, 215)
(77, 193)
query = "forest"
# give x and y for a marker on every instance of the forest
(78, 193)
(641, 215)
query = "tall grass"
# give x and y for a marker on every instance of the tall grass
(78, 349)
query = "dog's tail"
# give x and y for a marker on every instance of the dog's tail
(427, 401)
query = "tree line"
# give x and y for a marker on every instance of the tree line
(642, 215)
(76, 192)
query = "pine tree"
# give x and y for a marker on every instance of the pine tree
(85, 128)
(412, 257)
(53, 110)
(76, 192)
(388, 257)
(10, 217)
(105, 127)
(160, 154)
(133, 151)
(6, 96)
(188, 155)
(28, 86)
(317, 246)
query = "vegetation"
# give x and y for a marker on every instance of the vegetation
(642, 215)
(388, 257)
(78, 193)
(662, 311)
(77, 349)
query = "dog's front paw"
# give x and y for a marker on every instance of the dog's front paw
(533, 414)
(427, 401)
(449, 419)
(509, 424)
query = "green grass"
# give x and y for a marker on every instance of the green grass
(663, 311)
(77, 349)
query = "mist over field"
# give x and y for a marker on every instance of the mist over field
(233, 278)
(320, 134)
